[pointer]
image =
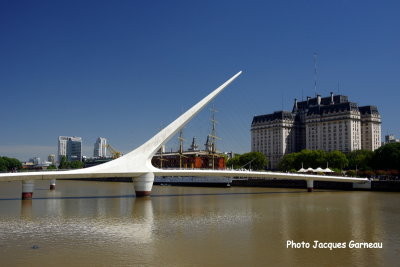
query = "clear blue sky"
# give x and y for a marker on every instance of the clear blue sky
(124, 69)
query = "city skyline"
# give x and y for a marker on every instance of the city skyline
(125, 70)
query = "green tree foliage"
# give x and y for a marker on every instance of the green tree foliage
(9, 164)
(360, 159)
(290, 161)
(387, 157)
(251, 160)
(314, 159)
(65, 164)
(336, 159)
(52, 167)
(76, 164)
(3, 165)
(254, 160)
(234, 162)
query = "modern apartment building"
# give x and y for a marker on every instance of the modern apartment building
(390, 138)
(329, 123)
(52, 158)
(71, 147)
(100, 148)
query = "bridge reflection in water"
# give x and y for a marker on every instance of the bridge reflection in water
(97, 223)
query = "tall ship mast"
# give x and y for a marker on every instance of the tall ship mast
(194, 158)
(211, 144)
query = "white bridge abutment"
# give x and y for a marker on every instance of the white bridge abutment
(310, 185)
(27, 189)
(53, 184)
(143, 184)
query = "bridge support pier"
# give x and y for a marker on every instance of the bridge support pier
(27, 189)
(53, 184)
(143, 184)
(310, 185)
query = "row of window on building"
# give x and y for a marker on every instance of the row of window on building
(71, 148)
(329, 123)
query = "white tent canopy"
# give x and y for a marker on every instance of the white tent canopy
(319, 169)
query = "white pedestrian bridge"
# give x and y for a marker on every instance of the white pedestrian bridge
(137, 163)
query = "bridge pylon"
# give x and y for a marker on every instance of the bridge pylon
(310, 185)
(143, 184)
(27, 189)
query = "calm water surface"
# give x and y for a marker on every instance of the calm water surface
(103, 224)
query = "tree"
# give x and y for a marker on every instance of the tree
(234, 162)
(387, 157)
(76, 164)
(14, 164)
(289, 161)
(312, 158)
(360, 159)
(3, 165)
(336, 159)
(254, 160)
(306, 158)
(9, 164)
(64, 164)
(251, 160)
(52, 167)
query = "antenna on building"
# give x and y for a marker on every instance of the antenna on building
(338, 87)
(315, 73)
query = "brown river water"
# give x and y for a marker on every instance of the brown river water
(103, 224)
